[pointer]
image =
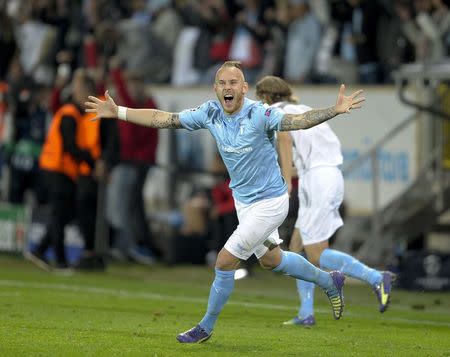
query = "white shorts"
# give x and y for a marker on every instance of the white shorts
(320, 193)
(258, 227)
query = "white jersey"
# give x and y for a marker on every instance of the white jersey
(313, 147)
(320, 191)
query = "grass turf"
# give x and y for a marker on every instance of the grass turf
(137, 311)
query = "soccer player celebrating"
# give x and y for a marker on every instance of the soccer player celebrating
(244, 131)
(317, 155)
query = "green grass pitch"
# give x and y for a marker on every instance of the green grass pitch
(138, 311)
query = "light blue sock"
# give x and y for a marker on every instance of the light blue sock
(306, 292)
(221, 289)
(336, 260)
(295, 265)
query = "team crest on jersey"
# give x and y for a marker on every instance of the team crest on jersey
(267, 113)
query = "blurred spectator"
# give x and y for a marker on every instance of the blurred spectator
(364, 23)
(222, 211)
(55, 13)
(427, 27)
(213, 40)
(138, 146)
(7, 43)
(59, 161)
(63, 75)
(184, 72)
(99, 138)
(29, 124)
(249, 37)
(302, 43)
(37, 43)
(274, 46)
(100, 19)
(141, 35)
(98, 14)
(166, 24)
(330, 65)
(392, 45)
(357, 22)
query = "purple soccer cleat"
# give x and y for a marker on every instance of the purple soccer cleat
(195, 335)
(308, 321)
(336, 293)
(383, 289)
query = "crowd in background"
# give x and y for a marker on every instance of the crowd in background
(127, 45)
(181, 41)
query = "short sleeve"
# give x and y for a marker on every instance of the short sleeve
(195, 118)
(269, 117)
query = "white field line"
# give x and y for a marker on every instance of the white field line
(163, 297)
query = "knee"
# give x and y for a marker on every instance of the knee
(226, 261)
(269, 261)
(225, 266)
(267, 265)
(221, 265)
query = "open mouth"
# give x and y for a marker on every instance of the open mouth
(228, 98)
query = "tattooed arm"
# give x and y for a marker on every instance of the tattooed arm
(315, 117)
(153, 118)
(307, 120)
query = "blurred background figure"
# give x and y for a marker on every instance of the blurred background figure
(59, 161)
(126, 210)
(250, 35)
(222, 213)
(8, 45)
(24, 135)
(426, 24)
(149, 33)
(205, 40)
(302, 42)
(101, 139)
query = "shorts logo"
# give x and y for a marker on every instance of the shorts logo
(267, 113)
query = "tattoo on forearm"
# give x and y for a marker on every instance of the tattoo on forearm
(307, 120)
(160, 119)
(175, 121)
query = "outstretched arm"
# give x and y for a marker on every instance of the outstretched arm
(147, 117)
(315, 117)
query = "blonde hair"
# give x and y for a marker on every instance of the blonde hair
(272, 89)
(231, 64)
(228, 64)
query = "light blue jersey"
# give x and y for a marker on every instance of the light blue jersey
(246, 143)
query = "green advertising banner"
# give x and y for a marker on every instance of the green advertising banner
(13, 226)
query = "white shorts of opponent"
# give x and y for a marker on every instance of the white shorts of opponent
(320, 193)
(258, 227)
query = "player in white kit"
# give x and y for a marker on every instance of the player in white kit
(317, 157)
(244, 131)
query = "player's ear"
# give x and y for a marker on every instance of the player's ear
(245, 88)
